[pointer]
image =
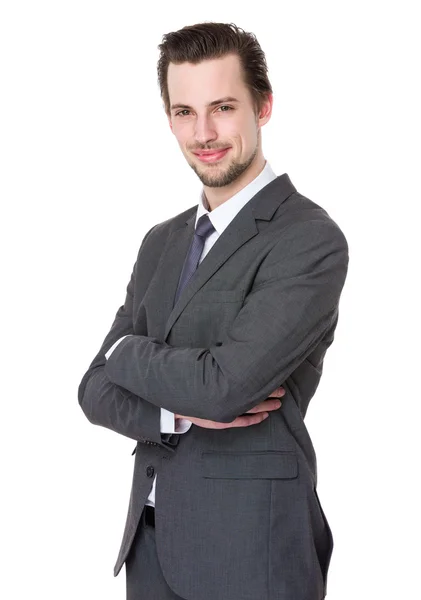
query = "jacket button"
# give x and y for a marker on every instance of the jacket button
(150, 471)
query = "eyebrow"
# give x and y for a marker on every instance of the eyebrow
(213, 103)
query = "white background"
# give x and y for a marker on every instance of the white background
(88, 165)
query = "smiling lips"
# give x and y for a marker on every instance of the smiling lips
(211, 155)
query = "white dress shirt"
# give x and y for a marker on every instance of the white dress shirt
(220, 217)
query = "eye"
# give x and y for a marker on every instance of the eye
(181, 111)
(186, 110)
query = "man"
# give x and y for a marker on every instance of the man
(231, 305)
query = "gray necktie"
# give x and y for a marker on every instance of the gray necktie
(203, 228)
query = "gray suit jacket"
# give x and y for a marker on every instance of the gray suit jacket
(237, 512)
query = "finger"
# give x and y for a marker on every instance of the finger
(244, 421)
(277, 393)
(271, 404)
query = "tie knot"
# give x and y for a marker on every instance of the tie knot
(204, 226)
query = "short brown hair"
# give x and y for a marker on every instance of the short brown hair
(195, 43)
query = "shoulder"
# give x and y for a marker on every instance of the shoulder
(306, 219)
(163, 229)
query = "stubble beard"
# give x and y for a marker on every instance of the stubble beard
(211, 176)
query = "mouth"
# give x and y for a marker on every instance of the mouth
(209, 156)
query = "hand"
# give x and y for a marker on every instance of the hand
(259, 412)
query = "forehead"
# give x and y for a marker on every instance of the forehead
(203, 82)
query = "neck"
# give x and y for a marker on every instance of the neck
(216, 196)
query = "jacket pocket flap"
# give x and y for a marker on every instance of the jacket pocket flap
(250, 465)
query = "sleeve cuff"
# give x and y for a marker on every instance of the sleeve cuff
(115, 345)
(182, 425)
(167, 423)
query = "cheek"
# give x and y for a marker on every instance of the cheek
(182, 133)
(250, 133)
(242, 133)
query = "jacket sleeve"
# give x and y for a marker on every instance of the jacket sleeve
(110, 405)
(289, 309)
(169, 424)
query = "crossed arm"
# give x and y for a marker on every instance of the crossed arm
(168, 421)
(291, 306)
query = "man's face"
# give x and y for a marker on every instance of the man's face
(227, 124)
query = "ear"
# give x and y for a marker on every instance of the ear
(170, 122)
(266, 111)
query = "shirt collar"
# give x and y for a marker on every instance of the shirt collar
(222, 215)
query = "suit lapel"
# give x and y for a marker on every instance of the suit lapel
(164, 285)
(241, 229)
(231, 239)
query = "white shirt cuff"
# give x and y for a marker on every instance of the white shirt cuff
(169, 424)
(114, 346)
(167, 421)
(182, 425)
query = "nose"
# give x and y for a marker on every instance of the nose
(205, 130)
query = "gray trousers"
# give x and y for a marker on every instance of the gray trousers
(144, 578)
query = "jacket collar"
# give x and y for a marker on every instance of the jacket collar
(242, 228)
